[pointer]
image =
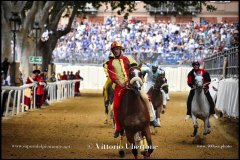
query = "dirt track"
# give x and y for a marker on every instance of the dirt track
(74, 129)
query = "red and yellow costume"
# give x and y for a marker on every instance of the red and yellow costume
(118, 70)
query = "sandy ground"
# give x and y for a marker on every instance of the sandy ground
(74, 128)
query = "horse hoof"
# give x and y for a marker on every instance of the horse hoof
(192, 135)
(208, 132)
(163, 111)
(106, 122)
(121, 153)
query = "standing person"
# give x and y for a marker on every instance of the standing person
(77, 84)
(52, 78)
(64, 76)
(40, 90)
(28, 94)
(206, 81)
(118, 69)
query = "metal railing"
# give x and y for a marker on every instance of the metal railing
(56, 91)
(223, 64)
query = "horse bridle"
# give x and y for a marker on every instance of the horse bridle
(134, 79)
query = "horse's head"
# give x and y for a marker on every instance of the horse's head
(198, 81)
(135, 78)
(159, 82)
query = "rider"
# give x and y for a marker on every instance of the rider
(118, 69)
(108, 81)
(152, 75)
(206, 80)
(164, 88)
(162, 73)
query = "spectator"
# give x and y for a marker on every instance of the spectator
(64, 76)
(77, 84)
(28, 94)
(52, 78)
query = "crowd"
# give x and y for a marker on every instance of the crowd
(161, 41)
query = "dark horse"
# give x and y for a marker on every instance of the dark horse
(156, 96)
(109, 102)
(134, 116)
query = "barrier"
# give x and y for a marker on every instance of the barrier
(95, 78)
(19, 93)
(56, 91)
(216, 67)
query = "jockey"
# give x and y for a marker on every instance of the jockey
(152, 73)
(164, 88)
(108, 81)
(206, 80)
(118, 69)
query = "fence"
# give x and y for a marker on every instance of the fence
(223, 64)
(56, 91)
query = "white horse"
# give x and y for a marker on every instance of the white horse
(200, 106)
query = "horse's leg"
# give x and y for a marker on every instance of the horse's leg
(106, 112)
(121, 151)
(130, 137)
(206, 130)
(195, 125)
(164, 102)
(209, 126)
(158, 111)
(147, 134)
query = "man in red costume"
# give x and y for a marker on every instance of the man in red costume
(40, 90)
(77, 84)
(118, 69)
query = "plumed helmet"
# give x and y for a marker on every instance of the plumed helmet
(115, 44)
(195, 63)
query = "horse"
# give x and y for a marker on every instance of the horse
(134, 116)
(156, 95)
(200, 106)
(108, 104)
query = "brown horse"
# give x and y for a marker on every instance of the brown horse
(134, 116)
(156, 96)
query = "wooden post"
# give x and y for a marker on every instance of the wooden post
(225, 63)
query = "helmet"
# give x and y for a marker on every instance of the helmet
(162, 72)
(195, 63)
(111, 55)
(115, 44)
(155, 65)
